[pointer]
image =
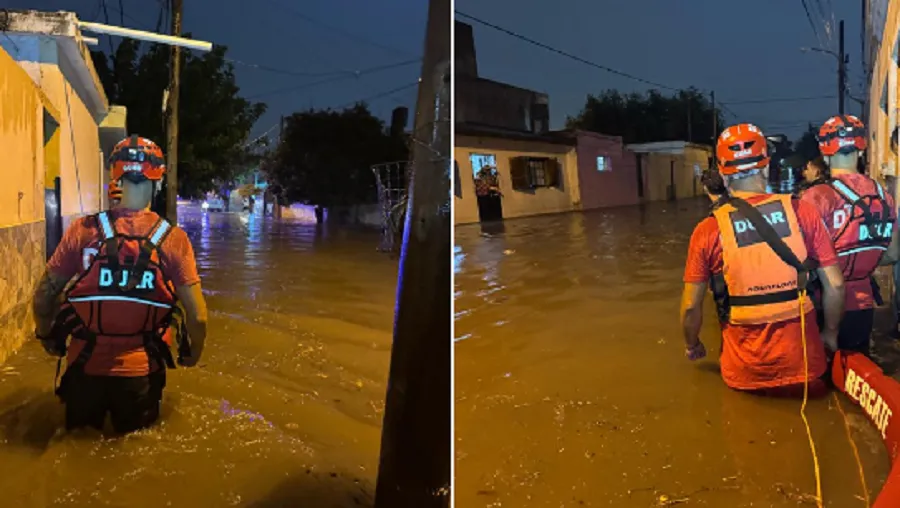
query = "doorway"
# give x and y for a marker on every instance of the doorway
(487, 187)
(52, 185)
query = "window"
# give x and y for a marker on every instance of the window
(457, 188)
(528, 173)
(603, 163)
(697, 170)
(884, 95)
(481, 161)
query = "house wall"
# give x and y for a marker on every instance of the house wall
(617, 186)
(80, 159)
(515, 203)
(657, 173)
(883, 113)
(21, 202)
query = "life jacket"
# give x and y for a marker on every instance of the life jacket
(122, 294)
(761, 287)
(865, 234)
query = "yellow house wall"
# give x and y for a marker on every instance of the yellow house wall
(657, 173)
(881, 160)
(79, 147)
(515, 203)
(21, 202)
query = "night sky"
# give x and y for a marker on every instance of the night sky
(743, 50)
(267, 33)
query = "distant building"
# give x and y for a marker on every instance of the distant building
(509, 164)
(669, 170)
(55, 130)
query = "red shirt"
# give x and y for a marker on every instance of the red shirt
(122, 356)
(827, 202)
(769, 355)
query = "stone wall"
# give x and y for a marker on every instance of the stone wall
(22, 252)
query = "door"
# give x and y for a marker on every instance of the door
(52, 202)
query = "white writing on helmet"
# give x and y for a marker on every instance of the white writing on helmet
(133, 166)
(846, 141)
(106, 279)
(743, 153)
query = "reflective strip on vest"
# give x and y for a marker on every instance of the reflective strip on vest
(108, 231)
(160, 231)
(103, 298)
(861, 249)
(846, 191)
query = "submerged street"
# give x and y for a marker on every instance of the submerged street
(284, 410)
(572, 388)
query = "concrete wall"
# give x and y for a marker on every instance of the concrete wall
(485, 102)
(515, 203)
(80, 158)
(617, 186)
(882, 118)
(21, 202)
(657, 172)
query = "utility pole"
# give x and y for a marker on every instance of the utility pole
(172, 118)
(689, 126)
(842, 69)
(414, 467)
(715, 131)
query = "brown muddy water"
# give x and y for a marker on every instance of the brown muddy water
(284, 411)
(572, 388)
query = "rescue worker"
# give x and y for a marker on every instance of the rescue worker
(762, 337)
(815, 172)
(859, 215)
(130, 269)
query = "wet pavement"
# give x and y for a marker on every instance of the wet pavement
(284, 410)
(572, 388)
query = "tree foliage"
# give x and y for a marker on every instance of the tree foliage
(642, 118)
(214, 121)
(808, 146)
(325, 156)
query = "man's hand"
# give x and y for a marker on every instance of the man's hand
(46, 302)
(53, 347)
(695, 352)
(830, 339)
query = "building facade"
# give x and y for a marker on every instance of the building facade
(881, 51)
(607, 171)
(54, 122)
(532, 175)
(669, 170)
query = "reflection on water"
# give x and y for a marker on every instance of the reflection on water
(285, 409)
(572, 388)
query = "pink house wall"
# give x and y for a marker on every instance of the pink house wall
(601, 189)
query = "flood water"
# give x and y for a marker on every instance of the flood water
(572, 388)
(285, 409)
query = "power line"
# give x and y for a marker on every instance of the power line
(342, 77)
(345, 33)
(785, 99)
(811, 23)
(379, 95)
(563, 53)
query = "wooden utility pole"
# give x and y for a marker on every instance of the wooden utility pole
(715, 119)
(414, 468)
(842, 69)
(172, 118)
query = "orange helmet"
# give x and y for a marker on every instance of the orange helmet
(115, 192)
(138, 159)
(741, 147)
(842, 134)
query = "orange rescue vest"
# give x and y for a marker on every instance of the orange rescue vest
(761, 287)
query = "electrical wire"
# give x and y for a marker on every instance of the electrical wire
(334, 79)
(563, 53)
(379, 95)
(349, 35)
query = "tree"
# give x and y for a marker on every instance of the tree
(641, 118)
(215, 121)
(808, 145)
(325, 156)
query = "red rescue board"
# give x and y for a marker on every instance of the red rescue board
(879, 397)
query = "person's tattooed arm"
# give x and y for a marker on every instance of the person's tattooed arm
(46, 302)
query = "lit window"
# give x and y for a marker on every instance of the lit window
(603, 163)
